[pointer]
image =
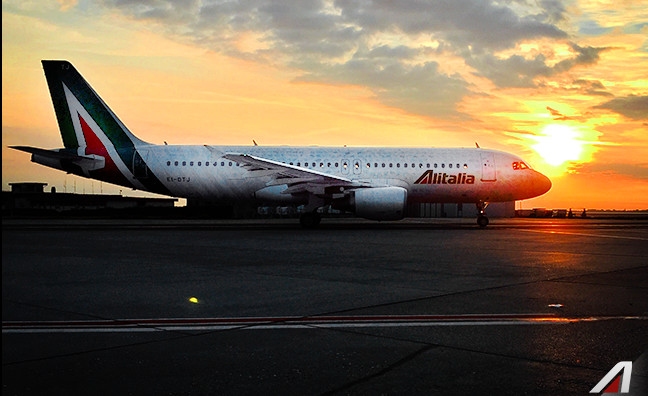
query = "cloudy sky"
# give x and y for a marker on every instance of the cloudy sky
(561, 83)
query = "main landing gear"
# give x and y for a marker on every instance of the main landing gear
(310, 219)
(482, 220)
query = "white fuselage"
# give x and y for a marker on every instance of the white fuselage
(428, 174)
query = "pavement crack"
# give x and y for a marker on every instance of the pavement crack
(382, 372)
(460, 292)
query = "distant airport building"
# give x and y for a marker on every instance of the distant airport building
(25, 197)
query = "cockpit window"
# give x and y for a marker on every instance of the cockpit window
(520, 165)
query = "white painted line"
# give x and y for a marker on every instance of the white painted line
(583, 234)
(353, 322)
(265, 327)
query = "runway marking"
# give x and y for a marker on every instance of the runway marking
(584, 234)
(292, 322)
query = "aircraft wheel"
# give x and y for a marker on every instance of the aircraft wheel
(482, 221)
(309, 220)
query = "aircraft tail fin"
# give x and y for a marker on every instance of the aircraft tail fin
(84, 119)
(97, 144)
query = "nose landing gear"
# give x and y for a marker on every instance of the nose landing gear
(482, 220)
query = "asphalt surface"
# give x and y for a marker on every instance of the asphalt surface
(356, 307)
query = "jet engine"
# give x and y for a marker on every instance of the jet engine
(380, 203)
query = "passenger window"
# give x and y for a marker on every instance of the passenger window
(405, 165)
(223, 163)
(336, 164)
(168, 163)
(368, 165)
(314, 164)
(199, 163)
(321, 164)
(450, 166)
(465, 166)
(398, 165)
(191, 163)
(457, 166)
(443, 165)
(184, 163)
(435, 165)
(383, 164)
(413, 165)
(230, 164)
(428, 166)
(390, 164)
(206, 163)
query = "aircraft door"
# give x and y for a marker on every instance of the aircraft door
(488, 166)
(140, 170)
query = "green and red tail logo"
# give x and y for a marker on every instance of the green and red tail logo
(89, 128)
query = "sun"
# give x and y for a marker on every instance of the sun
(558, 144)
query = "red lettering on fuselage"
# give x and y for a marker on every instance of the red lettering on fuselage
(430, 177)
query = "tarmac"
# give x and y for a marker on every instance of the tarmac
(420, 306)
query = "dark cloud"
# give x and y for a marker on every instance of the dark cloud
(586, 56)
(519, 72)
(512, 72)
(477, 23)
(634, 107)
(590, 87)
(347, 41)
(636, 171)
(421, 89)
(554, 11)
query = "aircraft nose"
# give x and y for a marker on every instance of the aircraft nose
(542, 183)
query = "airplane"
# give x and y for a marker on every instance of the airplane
(375, 183)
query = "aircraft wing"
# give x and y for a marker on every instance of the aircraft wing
(297, 178)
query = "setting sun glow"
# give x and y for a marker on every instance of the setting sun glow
(559, 144)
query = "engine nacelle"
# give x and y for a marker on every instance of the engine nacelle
(381, 203)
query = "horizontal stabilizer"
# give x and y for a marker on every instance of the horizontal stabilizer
(52, 157)
(50, 153)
